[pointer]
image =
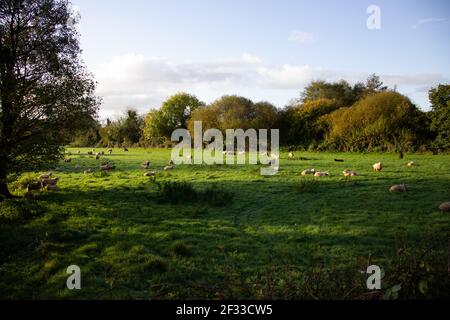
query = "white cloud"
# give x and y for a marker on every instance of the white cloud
(141, 82)
(421, 22)
(301, 36)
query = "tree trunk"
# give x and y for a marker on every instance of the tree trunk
(4, 191)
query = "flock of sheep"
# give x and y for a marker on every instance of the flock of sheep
(46, 181)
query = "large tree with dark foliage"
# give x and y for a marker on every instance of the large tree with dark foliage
(45, 91)
(440, 115)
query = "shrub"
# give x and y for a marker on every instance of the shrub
(177, 192)
(179, 248)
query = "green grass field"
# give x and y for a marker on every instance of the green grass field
(283, 236)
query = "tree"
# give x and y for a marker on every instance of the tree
(174, 113)
(45, 90)
(305, 123)
(386, 120)
(440, 115)
(126, 131)
(235, 112)
(341, 92)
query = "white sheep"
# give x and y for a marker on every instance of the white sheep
(321, 174)
(308, 171)
(411, 164)
(398, 188)
(378, 166)
(445, 207)
(169, 168)
(349, 173)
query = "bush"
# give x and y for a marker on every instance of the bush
(179, 192)
(179, 248)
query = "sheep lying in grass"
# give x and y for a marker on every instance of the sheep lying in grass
(398, 188)
(321, 174)
(45, 176)
(308, 171)
(378, 166)
(445, 207)
(349, 173)
(411, 164)
(150, 174)
(49, 182)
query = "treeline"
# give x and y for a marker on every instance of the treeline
(328, 116)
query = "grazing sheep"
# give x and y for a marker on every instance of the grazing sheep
(378, 167)
(49, 182)
(90, 153)
(110, 151)
(34, 186)
(321, 174)
(349, 173)
(445, 207)
(308, 171)
(45, 176)
(398, 188)
(291, 155)
(97, 156)
(169, 168)
(52, 188)
(68, 160)
(411, 164)
(150, 174)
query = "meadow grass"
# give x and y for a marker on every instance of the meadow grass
(283, 236)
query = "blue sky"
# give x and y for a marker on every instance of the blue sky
(142, 51)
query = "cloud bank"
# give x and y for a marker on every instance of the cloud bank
(141, 82)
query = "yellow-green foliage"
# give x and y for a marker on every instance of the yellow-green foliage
(384, 119)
